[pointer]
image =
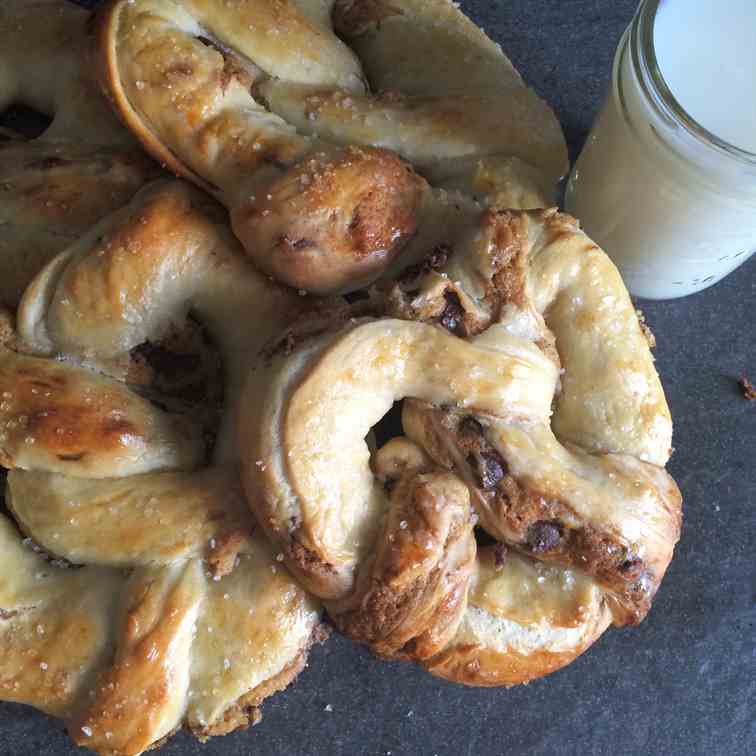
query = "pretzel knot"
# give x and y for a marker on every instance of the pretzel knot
(543, 400)
(331, 159)
(182, 614)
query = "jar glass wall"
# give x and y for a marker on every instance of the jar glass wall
(673, 205)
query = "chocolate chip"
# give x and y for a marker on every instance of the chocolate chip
(544, 536)
(303, 244)
(47, 163)
(295, 244)
(437, 259)
(169, 363)
(389, 484)
(453, 315)
(500, 556)
(493, 469)
(470, 425)
(631, 568)
(490, 469)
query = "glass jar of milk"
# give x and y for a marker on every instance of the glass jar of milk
(666, 183)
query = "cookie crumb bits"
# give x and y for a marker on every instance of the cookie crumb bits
(647, 332)
(749, 391)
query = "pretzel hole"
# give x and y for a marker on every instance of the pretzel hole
(24, 121)
(389, 426)
(357, 296)
(182, 373)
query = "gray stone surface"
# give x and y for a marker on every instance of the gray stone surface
(684, 682)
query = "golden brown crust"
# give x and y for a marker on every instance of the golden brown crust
(535, 520)
(319, 193)
(402, 584)
(332, 222)
(84, 166)
(295, 150)
(246, 712)
(193, 642)
(105, 23)
(586, 501)
(73, 421)
(483, 667)
(410, 598)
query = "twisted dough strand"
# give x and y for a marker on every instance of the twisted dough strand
(296, 151)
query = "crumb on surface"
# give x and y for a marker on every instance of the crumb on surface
(749, 390)
(647, 332)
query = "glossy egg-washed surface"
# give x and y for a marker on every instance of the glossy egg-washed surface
(182, 616)
(311, 144)
(389, 556)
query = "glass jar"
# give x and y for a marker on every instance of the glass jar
(671, 203)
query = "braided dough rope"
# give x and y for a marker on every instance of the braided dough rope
(397, 569)
(602, 503)
(262, 105)
(84, 166)
(206, 623)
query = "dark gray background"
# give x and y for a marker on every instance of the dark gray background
(682, 683)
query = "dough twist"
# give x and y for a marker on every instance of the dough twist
(203, 623)
(261, 104)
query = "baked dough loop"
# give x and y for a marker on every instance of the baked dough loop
(84, 166)
(543, 399)
(330, 162)
(182, 615)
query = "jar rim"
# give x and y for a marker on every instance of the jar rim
(658, 92)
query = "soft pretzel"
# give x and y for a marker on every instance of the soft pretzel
(518, 293)
(84, 166)
(206, 623)
(262, 105)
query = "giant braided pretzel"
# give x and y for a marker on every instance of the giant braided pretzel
(532, 406)
(182, 615)
(263, 106)
(84, 166)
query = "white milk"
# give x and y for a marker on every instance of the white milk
(675, 209)
(706, 51)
